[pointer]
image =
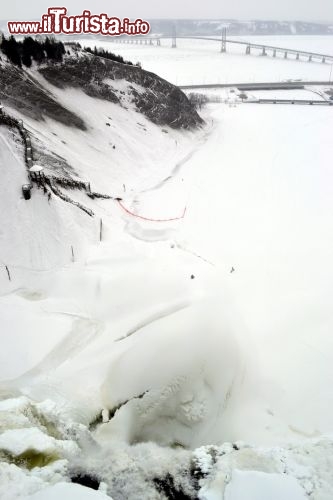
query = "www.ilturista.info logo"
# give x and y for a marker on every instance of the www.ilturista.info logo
(56, 22)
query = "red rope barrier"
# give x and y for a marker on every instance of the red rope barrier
(151, 220)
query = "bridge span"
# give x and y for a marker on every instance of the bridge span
(311, 102)
(259, 85)
(250, 47)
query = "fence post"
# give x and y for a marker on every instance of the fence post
(73, 258)
(100, 229)
(9, 277)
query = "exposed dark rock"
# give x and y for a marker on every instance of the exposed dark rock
(86, 480)
(162, 102)
(167, 486)
(22, 92)
(196, 475)
(86, 73)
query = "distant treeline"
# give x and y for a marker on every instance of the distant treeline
(48, 49)
(23, 53)
(107, 55)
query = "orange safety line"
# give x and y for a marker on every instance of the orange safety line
(151, 220)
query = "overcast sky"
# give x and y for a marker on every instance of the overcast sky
(307, 10)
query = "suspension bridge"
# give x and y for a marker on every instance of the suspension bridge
(223, 42)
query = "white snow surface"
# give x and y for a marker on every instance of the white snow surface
(260, 486)
(205, 332)
(68, 491)
(199, 61)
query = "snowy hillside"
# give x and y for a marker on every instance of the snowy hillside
(174, 340)
(107, 142)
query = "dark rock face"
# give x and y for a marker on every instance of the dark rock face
(86, 480)
(170, 491)
(85, 73)
(22, 92)
(160, 101)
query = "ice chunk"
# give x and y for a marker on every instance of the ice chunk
(254, 485)
(68, 491)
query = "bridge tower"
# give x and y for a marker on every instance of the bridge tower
(174, 37)
(224, 40)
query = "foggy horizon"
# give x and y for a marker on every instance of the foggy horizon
(315, 12)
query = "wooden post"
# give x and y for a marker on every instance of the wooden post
(174, 37)
(73, 258)
(9, 277)
(223, 40)
(100, 229)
